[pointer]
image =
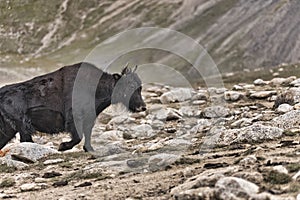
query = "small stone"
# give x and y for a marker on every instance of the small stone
(84, 184)
(157, 124)
(167, 114)
(249, 134)
(53, 161)
(281, 169)
(142, 131)
(234, 188)
(278, 81)
(202, 124)
(296, 176)
(190, 111)
(241, 123)
(40, 180)
(51, 174)
(199, 102)
(177, 142)
(201, 95)
(113, 135)
(33, 186)
(216, 111)
(260, 82)
(284, 108)
(249, 86)
(249, 160)
(238, 87)
(252, 176)
(233, 95)
(60, 183)
(263, 94)
(160, 161)
(295, 83)
(287, 120)
(7, 160)
(297, 106)
(176, 95)
(30, 151)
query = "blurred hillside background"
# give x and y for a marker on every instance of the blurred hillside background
(238, 34)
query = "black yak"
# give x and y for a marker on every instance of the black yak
(68, 99)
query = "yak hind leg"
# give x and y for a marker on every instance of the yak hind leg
(26, 130)
(76, 138)
(87, 138)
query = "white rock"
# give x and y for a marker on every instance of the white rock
(249, 160)
(53, 161)
(284, 108)
(190, 111)
(142, 131)
(216, 111)
(263, 94)
(232, 187)
(295, 93)
(113, 135)
(176, 95)
(233, 95)
(238, 87)
(241, 123)
(296, 83)
(201, 95)
(167, 113)
(40, 180)
(157, 124)
(30, 151)
(249, 86)
(7, 160)
(296, 176)
(287, 120)
(260, 82)
(202, 124)
(161, 160)
(178, 142)
(281, 169)
(278, 81)
(249, 134)
(199, 102)
(33, 186)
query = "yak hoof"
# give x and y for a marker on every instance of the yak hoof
(65, 146)
(88, 149)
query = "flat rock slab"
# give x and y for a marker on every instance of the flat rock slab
(30, 151)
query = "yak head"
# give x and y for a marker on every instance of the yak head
(127, 90)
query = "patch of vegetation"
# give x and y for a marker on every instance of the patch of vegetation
(9, 182)
(185, 160)
(66, 165)
(290, 133)
(79, 175)
(7, 169)
(294, 187)
(286, 97)
(275, 177)
(293, 167)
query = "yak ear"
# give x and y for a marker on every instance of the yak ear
(125, 70)
(135, 68)
(117, 76)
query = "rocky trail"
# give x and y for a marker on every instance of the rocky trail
(238, 142)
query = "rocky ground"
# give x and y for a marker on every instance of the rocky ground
(238, 142)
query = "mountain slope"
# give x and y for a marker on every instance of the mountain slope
(238, 34)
